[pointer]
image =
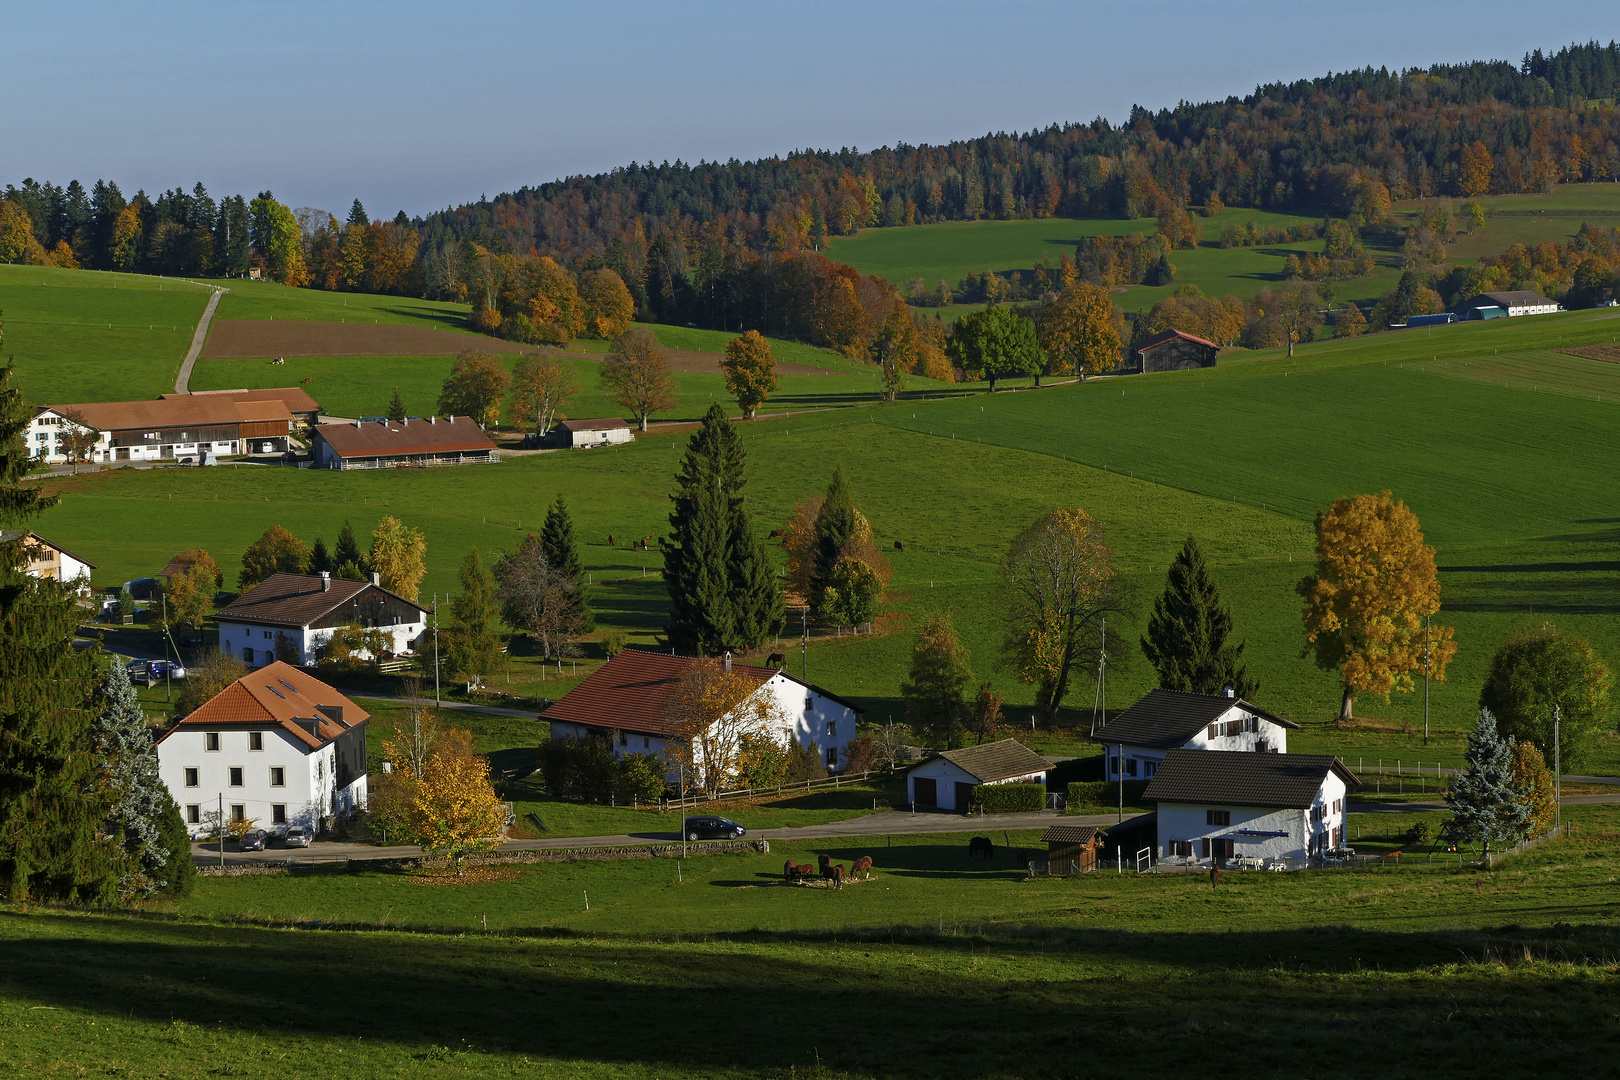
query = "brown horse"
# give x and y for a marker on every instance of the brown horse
(838, 877)
(863, 865)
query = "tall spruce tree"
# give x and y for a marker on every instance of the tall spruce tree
(722, 587)
(1186, 637)
(347, 561)
(1487, 803)
(320, 560)
(562, 553)
(835, 524)
(51, 815)
(128, 767)
(473, 645)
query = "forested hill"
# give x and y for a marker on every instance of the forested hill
(1312, 144)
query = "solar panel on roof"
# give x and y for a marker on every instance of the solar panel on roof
(276, 692)
(288, 685)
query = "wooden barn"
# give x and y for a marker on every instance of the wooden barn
(1078, 844)
(1172, 350)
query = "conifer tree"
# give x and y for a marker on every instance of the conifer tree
(474, 642)
(396, 406)
(320, 560)
(1186, 637)
(562, 554)
(1487, 802)
(835, 524)
(51, 816)
(722, 587)
(346, 559)
(128, 766)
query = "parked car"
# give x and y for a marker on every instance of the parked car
(712, 828)
(151, 672)
(297, 836)
(252, 840)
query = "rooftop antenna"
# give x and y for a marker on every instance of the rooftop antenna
(1099, 712)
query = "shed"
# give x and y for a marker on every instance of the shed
(1073, 843)
(1444, 318)
(947, 779)
(1173, 350)
(582, 434)
(390, 444)
(1515, 302)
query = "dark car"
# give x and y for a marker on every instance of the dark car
(252, 840)
(151, 672)
(712, 828)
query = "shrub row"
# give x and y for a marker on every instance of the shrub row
(586, 770)
(1106, 793)
(1009, 798)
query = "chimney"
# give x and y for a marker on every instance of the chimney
(376, 579)
(1228, 692)
(728, 659)
(357, 424)
(406, 422)
(433, 420)
(326, 580)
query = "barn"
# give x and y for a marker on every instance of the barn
(1076, 845)
(581, 434)
(1173, 350)
(947, 779)
(391, 444)
(1511, 304)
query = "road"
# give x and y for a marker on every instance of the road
(182, 381)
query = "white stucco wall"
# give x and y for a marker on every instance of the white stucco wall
(307, 773)
(580, 440)
(1147, 758)
(946, 775)
(236, 636)
(1298, 826)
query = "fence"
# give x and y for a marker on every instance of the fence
(778, 789)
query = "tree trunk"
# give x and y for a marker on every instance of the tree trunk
(644, 422)
(1290, 345)
(1346, 705)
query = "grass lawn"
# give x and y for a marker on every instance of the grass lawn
(725, 972)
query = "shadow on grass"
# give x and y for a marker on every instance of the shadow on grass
(857, 999)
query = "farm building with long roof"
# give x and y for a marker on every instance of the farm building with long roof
(390, 444)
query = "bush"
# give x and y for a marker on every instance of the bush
(804, 763)
(586, 770)
(1106, 793)
(179, 871)
(640, 778)
(1009, 798)
(613, 643)
(1420, 833)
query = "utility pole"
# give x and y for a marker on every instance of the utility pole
(222, 830)
(804, 649)
(1558, 770)
(436, 702)
(1121, 762)
(1099, 703)
(1425, 680)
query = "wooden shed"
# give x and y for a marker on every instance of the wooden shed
(1073, 843)
(1172, 350)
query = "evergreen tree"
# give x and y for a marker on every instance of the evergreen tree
(473, 645)
(357, 215)
(835, 524)
(1186, 637)
(722, 588)
(562, 555)
(51, 816)
(1487, 803)
(347, 554)
(396, 407)
(180, 873)
(128, 769)
(320, 560)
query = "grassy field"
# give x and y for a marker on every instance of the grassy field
(938, 967)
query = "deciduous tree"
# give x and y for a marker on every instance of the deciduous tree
(996, 343)
(1186, 637)
(398, 556)
(1532, 776)
(938, 679)
(453, 810)
(896, 349)
(1537, 670)
(206, 677)
(1474, 178)
(1375, 581)
(76, 438)
(708, 714)
(636, 374)
(475, 388)
(537, 597)
(750, 371)
(276, 552)
(608, 305)
(1058, 586)
(1080, 331)
(854, 593)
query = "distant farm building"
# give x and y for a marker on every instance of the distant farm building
(1444, 318)
(173, 426)
(1076, 845)
(1172, 350)
(50, 560)
(1510, 305)
(581, 434)
(393, 444)
(305, 409)
(947, 779)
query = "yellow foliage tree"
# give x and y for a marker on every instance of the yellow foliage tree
(711, 715)
(1375, 582)
(450, 807)
(1531, 775)
(750, 371)
(398, 556)
(1080, 330)
(1474, 179)
(608, 305)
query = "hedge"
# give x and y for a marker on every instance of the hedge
(1106, 793)
(1009, 798)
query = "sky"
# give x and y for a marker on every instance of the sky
(415, 106)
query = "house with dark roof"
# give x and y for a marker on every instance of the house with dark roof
(1173, 350)
(628, 698)
(1510, 304)
(407, 443)
(287, 617)
(50, 560)
(277, 746)
(1165, 720)
(1214, 805)
(946, 779)
(304, 409)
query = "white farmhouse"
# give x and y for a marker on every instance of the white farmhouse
(627, 698)
(1166, 720)
(1219, 804)
(277, 746)
(288, 616)
(947, 779)
(49, 560)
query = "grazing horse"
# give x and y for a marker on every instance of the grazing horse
(863, 866)
(824, 862)
(838, 877)
(613, 541)
(981, 845)
(899, 545)
(776, 533)
(776, 660)
(789, 870)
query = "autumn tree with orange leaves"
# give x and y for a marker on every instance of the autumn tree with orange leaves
(750, 371)
(1375, 582)
(711, 716)
(439, 794)
(1080, 330)
(1474, 179)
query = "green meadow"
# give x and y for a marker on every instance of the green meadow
(937, 967)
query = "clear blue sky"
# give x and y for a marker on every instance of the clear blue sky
(416, 106)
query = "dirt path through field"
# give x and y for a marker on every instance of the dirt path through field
(182, 381)
(265, 339)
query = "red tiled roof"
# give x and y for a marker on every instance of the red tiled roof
(375, 438)
(279, 695)
(294, 397)
(175, 411)
(631, 691)
(1170, 335)
(296, 600)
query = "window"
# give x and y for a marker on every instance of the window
(832, 759)
(278, 777)
(255, 740)
(236, 776)
(247, 654)
(238, 812)
(1223, 849)
(1338, 805)
(1113, 765)
(191, 778)
(267, 635)
(1217, 817)
(278, 813)
(1181, 847)
(194, 814)
(1149, 768)
(832, 729)
(645, 742)
(624, 740)
(211, 741)
(1214, 731)
(809, 704)
(1130, 766)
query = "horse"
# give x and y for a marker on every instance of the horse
(824, 862)
(612, 540)
(899, 545)
(981, 845)
(838, 877)
(776, 533)
(788, 870)
(863, 865)
(776, 660)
